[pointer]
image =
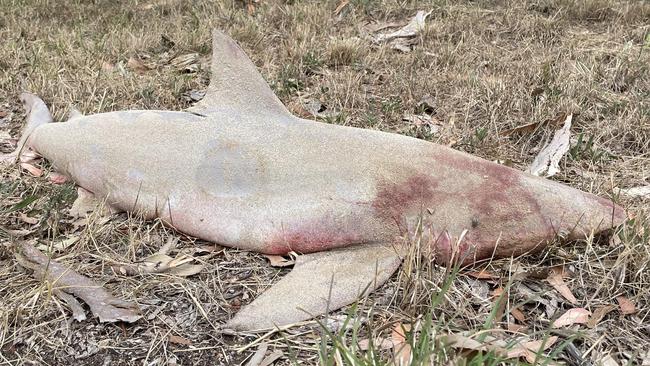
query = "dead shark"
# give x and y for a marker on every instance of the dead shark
(240, 170)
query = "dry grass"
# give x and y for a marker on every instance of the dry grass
(489, 66)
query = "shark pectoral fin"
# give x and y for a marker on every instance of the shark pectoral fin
(235, 83)
(319, 282)
(37, 114)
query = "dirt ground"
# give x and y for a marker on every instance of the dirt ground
(477, 70)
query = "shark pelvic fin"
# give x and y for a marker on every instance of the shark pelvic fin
(319, 282)
(235, 82)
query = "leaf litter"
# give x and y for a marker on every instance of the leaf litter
(556, 279)
(187, 261)
(64, 280)
(280, 261)
(547, 162)
(532, 127)
(400, 344)
(414, 26)
(572, 316)
(508, 349)
(403, 38)
(626, 306)
(635, 192)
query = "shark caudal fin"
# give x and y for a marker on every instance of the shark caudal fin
(37, 115)
(235, 82)
(319, 282)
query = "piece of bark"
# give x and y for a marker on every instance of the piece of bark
(102, 304)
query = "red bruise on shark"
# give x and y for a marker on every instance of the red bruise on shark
(313, 236)
(393, 201)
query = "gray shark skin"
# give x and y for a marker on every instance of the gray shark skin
(239, 170)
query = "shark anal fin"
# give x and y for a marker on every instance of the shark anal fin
(235, 83)
(319, 282)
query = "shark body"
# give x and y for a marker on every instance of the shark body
(238, 169)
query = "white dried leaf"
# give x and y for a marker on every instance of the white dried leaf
(258, 356)
(636, 192)
(402, 45)
(187, 63)
(548, 160)
(410, 30)
(58, 245)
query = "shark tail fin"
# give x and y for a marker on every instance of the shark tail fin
(235, 82)
(37, 115)
(319, 282)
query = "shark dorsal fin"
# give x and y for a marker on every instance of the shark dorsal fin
(235, 82)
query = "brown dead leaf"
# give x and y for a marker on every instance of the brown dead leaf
(598, 315)
(250, 6)
(258, 356)
(482, 274)
(518, 314)
(137, 66)
(17, 233)
(58, 178)
(279, 261)
(500, 301)
(626, 306)
(107, 66)
(102, 304)
(401, 347)
(556, 279)
(378, 343)
(28, 220)
(270, 359)
(531, 127)
(179, 340)
(78, 312)
(489, 343)
(340, 7)
(572, 316)
(530, 350)
(517, 328)
(32, 169)
(527, 128)
(3, 113)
